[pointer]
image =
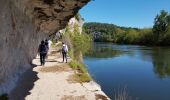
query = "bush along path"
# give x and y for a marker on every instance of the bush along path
(56, 81)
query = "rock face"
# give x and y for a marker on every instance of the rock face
(23, 24)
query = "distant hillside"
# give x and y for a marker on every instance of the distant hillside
(103, 32)
(158, 35)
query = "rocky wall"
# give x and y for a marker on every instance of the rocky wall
(23, 24)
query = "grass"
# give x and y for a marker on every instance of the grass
(122, 94)
(78, 66)
(83, 77)
(82, 74)
(79, 44)
(4, 97)
(53, 44)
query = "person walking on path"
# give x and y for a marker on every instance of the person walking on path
(43, 52)
(49, 43)
(47, 46)
(64, 51)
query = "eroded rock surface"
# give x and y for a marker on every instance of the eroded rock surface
(23, 24)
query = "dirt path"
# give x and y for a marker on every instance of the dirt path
(53, 82)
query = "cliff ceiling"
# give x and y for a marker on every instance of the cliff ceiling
(23, 24)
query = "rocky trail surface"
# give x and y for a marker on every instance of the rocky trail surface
(54, 82)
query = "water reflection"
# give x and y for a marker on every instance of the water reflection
(103, 53)
(159, 56)
(144, 70)
(161, 61)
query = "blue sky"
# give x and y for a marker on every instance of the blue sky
(131, 13)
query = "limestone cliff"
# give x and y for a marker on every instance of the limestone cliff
(23, 24)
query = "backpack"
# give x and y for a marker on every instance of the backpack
(46, 43)
(43, 48)
(64, 48)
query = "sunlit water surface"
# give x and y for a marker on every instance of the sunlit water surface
(143, 71)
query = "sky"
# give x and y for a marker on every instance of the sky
(129, 13)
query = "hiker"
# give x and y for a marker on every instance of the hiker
(43, 52)
(47, 45)
(64, 51)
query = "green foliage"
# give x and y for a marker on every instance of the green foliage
(73, 64)
(83, 77)
(70, 53)
(82, 74)
(53, 44)
(111, 33)
(98, 52)
(4, 97)
(161, 26)
(100, 32)
(79, 43)
(158, 35)
(78, 66)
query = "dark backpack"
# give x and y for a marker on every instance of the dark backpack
(46, 43)
(43, 48)
(63, 50)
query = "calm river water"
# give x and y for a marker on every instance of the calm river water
(143, 71)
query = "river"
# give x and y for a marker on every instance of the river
(143, 71)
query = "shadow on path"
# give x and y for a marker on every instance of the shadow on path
(54, 61)
(24, 85)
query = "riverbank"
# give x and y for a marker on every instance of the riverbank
(54, 81)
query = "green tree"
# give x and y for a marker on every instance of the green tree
(146, 36)
(160, 27)
(158, 35)
(132, 36)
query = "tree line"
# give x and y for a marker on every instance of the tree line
(159, 34)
